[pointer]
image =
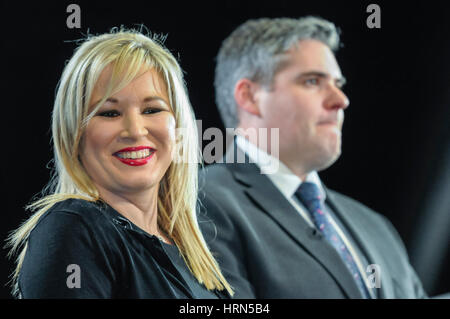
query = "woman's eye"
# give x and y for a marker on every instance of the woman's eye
(110, 113)
(151, 110)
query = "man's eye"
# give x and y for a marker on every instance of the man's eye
(312, 81)
(110, 113)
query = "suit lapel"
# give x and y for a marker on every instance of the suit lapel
(355, 226)
(269, 200)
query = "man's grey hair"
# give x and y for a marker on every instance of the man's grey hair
(255, 51)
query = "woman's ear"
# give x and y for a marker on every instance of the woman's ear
(245, 96)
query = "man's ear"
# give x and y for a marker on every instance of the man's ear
(245, 97)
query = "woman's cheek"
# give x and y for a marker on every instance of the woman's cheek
(171, 135)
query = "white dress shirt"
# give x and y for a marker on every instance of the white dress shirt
(283, 178)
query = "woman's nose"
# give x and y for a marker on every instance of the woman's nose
(133, 126)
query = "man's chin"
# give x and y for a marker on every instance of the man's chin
(327, 160)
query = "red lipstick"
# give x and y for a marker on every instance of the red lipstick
(135, 149)
(135, 161)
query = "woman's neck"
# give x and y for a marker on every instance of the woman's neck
(141, 208)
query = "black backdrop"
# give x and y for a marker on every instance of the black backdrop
(396, 135)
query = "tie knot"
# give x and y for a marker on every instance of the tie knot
(308, 193)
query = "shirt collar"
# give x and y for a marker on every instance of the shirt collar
(283, 178)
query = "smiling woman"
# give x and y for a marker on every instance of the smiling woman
(119, 209)
(128, 144)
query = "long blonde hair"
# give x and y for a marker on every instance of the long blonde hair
(127, 51)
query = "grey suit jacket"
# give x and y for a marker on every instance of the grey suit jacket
(267, 250)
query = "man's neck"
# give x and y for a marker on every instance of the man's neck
(262, 156)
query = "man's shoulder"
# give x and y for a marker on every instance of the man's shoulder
(349, 201)
(217, 170)
(359, 210)
(216, 176)
(220, 191)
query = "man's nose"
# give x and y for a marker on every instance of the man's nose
(336, 99)
(133, 127)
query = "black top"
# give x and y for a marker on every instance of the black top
(81, 249)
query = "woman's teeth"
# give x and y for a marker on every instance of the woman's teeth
(135, 155)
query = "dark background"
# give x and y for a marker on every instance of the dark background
(396, 154)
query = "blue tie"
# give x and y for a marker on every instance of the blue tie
(309, 195)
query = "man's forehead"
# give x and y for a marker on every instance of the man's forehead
(313, 56)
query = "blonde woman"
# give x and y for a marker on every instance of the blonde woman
(119, 218)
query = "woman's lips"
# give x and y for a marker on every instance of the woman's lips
(135, 148)
(135, 156)
(135, 161)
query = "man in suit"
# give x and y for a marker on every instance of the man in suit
(281, 233)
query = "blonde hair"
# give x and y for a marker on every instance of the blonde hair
(127, 51)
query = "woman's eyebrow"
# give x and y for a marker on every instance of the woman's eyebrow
(153, 98)
(144, 100)
(110, 99)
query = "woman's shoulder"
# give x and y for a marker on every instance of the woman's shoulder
(71, 232)
(73, 213)
(77, 206)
